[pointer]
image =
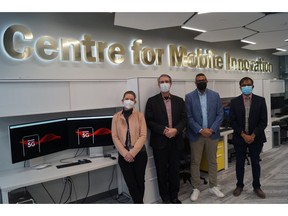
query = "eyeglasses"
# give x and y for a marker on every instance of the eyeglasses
(166, 81)
(246, 85)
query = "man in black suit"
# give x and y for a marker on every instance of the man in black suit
(166, 118)
(248, 120)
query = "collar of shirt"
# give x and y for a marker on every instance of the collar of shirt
(245, 96)
(200, 93)
(166, 98)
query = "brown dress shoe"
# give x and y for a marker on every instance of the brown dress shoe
(237, 191)
(260, 193)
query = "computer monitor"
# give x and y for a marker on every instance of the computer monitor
(226, 117)
(277, 102)
(92, 131)
(36, 139)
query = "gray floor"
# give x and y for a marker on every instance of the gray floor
(274, 180)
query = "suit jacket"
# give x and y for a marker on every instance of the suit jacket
(157, 120)
(257, 118)
(214, 114)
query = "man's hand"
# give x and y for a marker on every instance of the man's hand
(248, 138)
(170, 132)
(206, 132)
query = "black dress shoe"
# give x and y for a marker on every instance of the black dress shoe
(176, 201)
(237, 191)
(166, 201)
(260, 193)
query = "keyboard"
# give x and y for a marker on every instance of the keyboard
(79, 162)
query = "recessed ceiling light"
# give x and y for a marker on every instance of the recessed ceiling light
(246, 41)
(283, 50)
(193, 29)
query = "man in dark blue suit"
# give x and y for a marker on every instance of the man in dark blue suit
(166, 118)
(248, 120)
(205, 115)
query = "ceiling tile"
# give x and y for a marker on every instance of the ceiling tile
(224, 35)
(267, 40)
(268, 30)
(271, 22)
(265, 45)
(148, 21)
(214, 21)
(281, 53)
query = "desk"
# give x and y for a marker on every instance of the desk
(274, 119)
(22, 177)
(225, 134)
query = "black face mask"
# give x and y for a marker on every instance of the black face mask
(201, 86)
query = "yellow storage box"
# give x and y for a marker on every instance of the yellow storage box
(220, 158)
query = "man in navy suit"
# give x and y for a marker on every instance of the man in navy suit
(248, 120)
(166, 118)
(205, 115)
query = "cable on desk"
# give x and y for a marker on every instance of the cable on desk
(109, 187)
(82, 150)
(67, 182)
(48, 193)
(76, 198)
(75, 155)
(25, 163)
(83, 201)
(118, 196)
(63, 192)
(70, 190)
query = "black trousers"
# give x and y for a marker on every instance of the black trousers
(134, 175)
(167, 162)
(254, 153)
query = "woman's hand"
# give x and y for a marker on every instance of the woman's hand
(129, 158)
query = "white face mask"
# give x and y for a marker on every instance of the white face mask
(128, 104)
(164, 87)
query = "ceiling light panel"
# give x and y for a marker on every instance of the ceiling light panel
(149, 21)
(216, 21)
(271, 22)
(224, 35)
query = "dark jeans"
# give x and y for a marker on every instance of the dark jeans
(254, 153)
(134, 175)
(167, 162)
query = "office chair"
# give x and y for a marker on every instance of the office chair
(185, 160)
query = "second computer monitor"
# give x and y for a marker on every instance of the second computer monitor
(92, 131)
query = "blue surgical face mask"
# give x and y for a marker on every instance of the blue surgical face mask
(246, 90)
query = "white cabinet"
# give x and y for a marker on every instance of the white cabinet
(277, 86)
(33, 97)
(96, 94)
(39, 97)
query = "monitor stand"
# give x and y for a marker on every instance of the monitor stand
(95, 152)
(38, 163)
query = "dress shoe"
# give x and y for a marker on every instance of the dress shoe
(166, 201)
(237, 191)
(260, 193)
(176, 201)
